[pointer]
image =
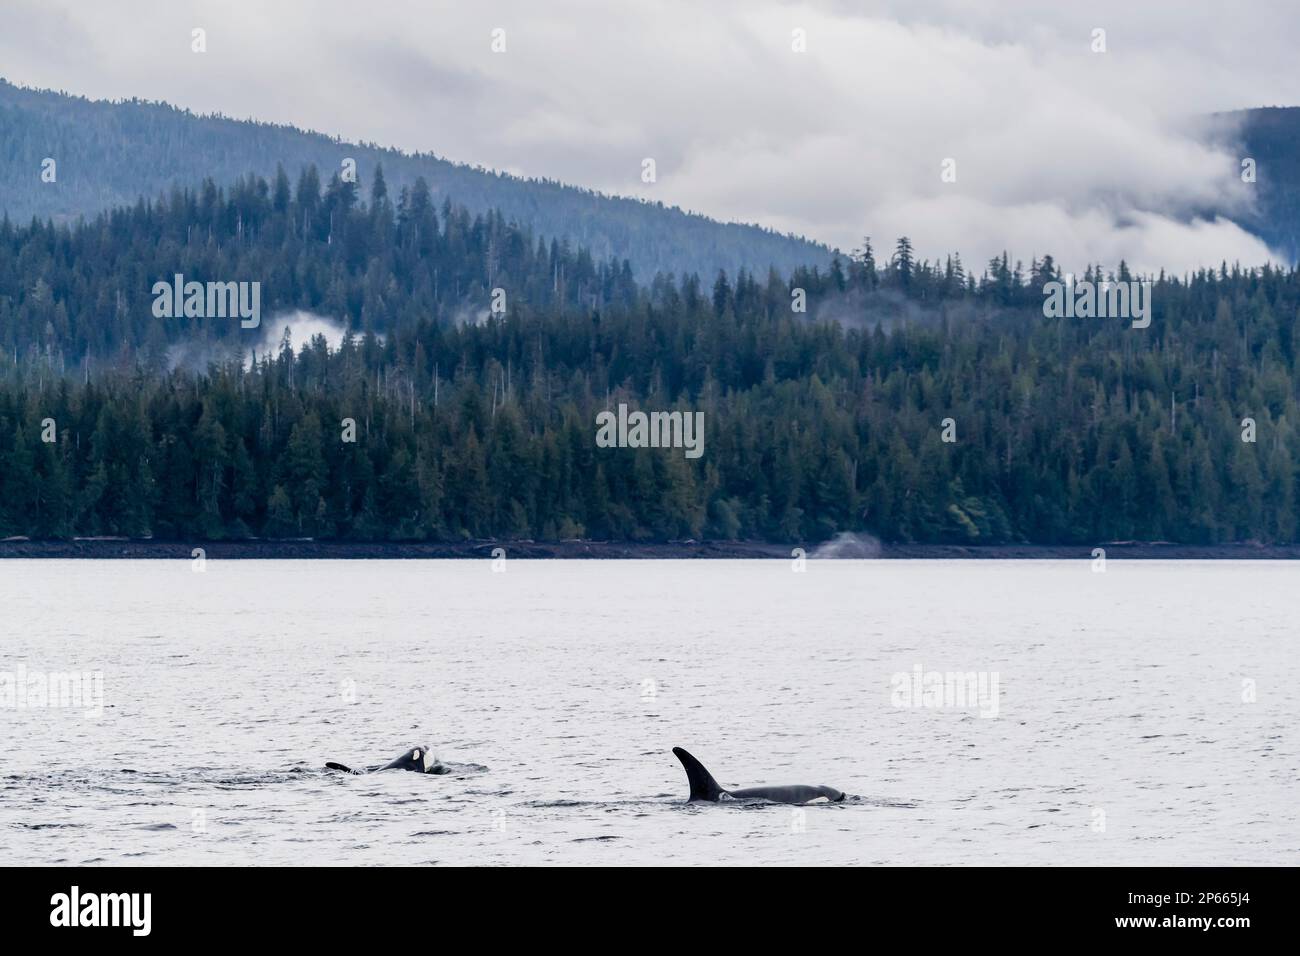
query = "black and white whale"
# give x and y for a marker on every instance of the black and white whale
(704, 787)
(417, 759)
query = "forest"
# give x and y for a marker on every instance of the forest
(474, 423)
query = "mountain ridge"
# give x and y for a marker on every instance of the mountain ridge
(1271, 136)
(81, 133)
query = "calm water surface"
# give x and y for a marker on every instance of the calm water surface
(1124, 732)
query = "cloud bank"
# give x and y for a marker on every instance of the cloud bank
(1089, 156)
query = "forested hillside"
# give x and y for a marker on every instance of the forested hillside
(470, 424)
(109, 154)
(1271, 137)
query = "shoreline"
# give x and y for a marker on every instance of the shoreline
(102, 549)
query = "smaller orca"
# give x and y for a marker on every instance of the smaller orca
(419, 760)
(704, 787)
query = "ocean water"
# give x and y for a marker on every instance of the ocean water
(1144, 715)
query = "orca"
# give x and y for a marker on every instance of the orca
(417, 759)
(705, 788)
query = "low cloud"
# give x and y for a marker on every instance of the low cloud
(301, 327)
(1091, 157)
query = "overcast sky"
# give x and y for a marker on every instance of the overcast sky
(1089, 156)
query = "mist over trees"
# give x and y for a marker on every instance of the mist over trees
(1270, 138)
(475, 424)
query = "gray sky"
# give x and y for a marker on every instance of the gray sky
(1089, 156)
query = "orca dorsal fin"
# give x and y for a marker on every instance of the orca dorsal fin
(703, 786)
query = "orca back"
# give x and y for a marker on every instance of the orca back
(799, 793)
(418, 760)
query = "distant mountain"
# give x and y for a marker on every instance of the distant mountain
(109, 154)
(1271, 136)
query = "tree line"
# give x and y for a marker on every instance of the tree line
(474, 423)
